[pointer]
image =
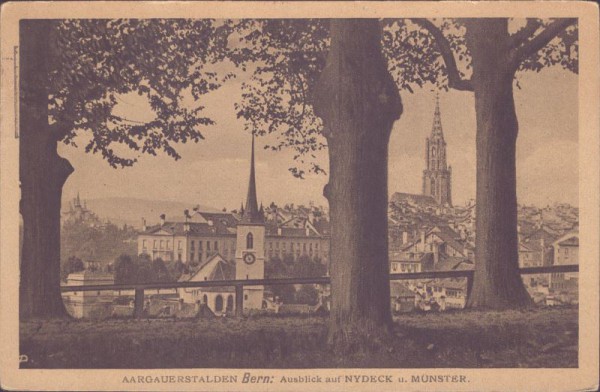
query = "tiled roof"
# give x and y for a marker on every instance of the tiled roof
(400, 197)
(449, 236)
(573, 241)
(222, 270)
(398, 289)
(545, 233)
(451, 284)
(222, 224)
(529, 246)
(177, 228)
(447, 263)
(465, 265)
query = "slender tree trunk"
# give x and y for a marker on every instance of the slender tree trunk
(358, 102)
(42, 174)
(497, 282)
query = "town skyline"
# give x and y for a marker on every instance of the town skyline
(213, 172)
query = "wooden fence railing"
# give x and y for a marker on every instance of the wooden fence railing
(239, 284)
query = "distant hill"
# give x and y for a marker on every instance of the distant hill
(127, 210)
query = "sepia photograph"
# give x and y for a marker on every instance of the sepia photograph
(284, 196)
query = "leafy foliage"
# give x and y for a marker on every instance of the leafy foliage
(288, 56)
(73, 264)
(414, 59)
(168, 62)
(98, 243)
(302, 267)
(140, 269)
(162, 60)
(563, 50)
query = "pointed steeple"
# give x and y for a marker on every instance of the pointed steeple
(77, 200)
(436, 130)
(251, 212)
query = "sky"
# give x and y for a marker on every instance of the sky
(215, 171)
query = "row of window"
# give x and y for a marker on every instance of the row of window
(166, 244)
(298, 245)
(211, 245)
(214, 245)
(281, 253)
(404, 267)
(159, 244)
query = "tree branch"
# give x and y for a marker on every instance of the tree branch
(454, 79)
(518, 55)
(521, 36)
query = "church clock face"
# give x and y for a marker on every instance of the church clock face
(249, 258)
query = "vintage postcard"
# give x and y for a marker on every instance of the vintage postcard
(299, 196)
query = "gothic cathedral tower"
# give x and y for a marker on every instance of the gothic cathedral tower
(437, 177)
(250, 244)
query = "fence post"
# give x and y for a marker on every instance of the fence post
(239, 300)
(138, 304)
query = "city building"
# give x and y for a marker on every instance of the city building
(403, 299)
(566, 252)
(218, 246)
(219, 299)
(202, 234)
(86, 304)
(440, 241)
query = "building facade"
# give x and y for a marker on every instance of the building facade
(84, 304)
(566, 252)
(222, 245)
(437, 176)
(203, 234)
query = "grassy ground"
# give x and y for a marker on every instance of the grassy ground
(539, 337)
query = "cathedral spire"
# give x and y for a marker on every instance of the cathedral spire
(251, 212)
(436, 130)
(437, 177)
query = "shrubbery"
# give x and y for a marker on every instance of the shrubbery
(140, 269)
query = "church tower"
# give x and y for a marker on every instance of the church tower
(250, 245)
(437, 176)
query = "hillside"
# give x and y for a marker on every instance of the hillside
(126, 210)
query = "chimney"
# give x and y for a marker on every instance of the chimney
(307, 231)
(278, 230)
(404, 237)
(197, 306)
(180, 304)
(162, 219)
(423, 240)
(144, 227)
(210, 222)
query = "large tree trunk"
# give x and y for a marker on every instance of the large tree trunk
(497, 282)
(358, 102)
(42, 174)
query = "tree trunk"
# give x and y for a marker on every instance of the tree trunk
(42, 174)
(497, 282)
(358, 102)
